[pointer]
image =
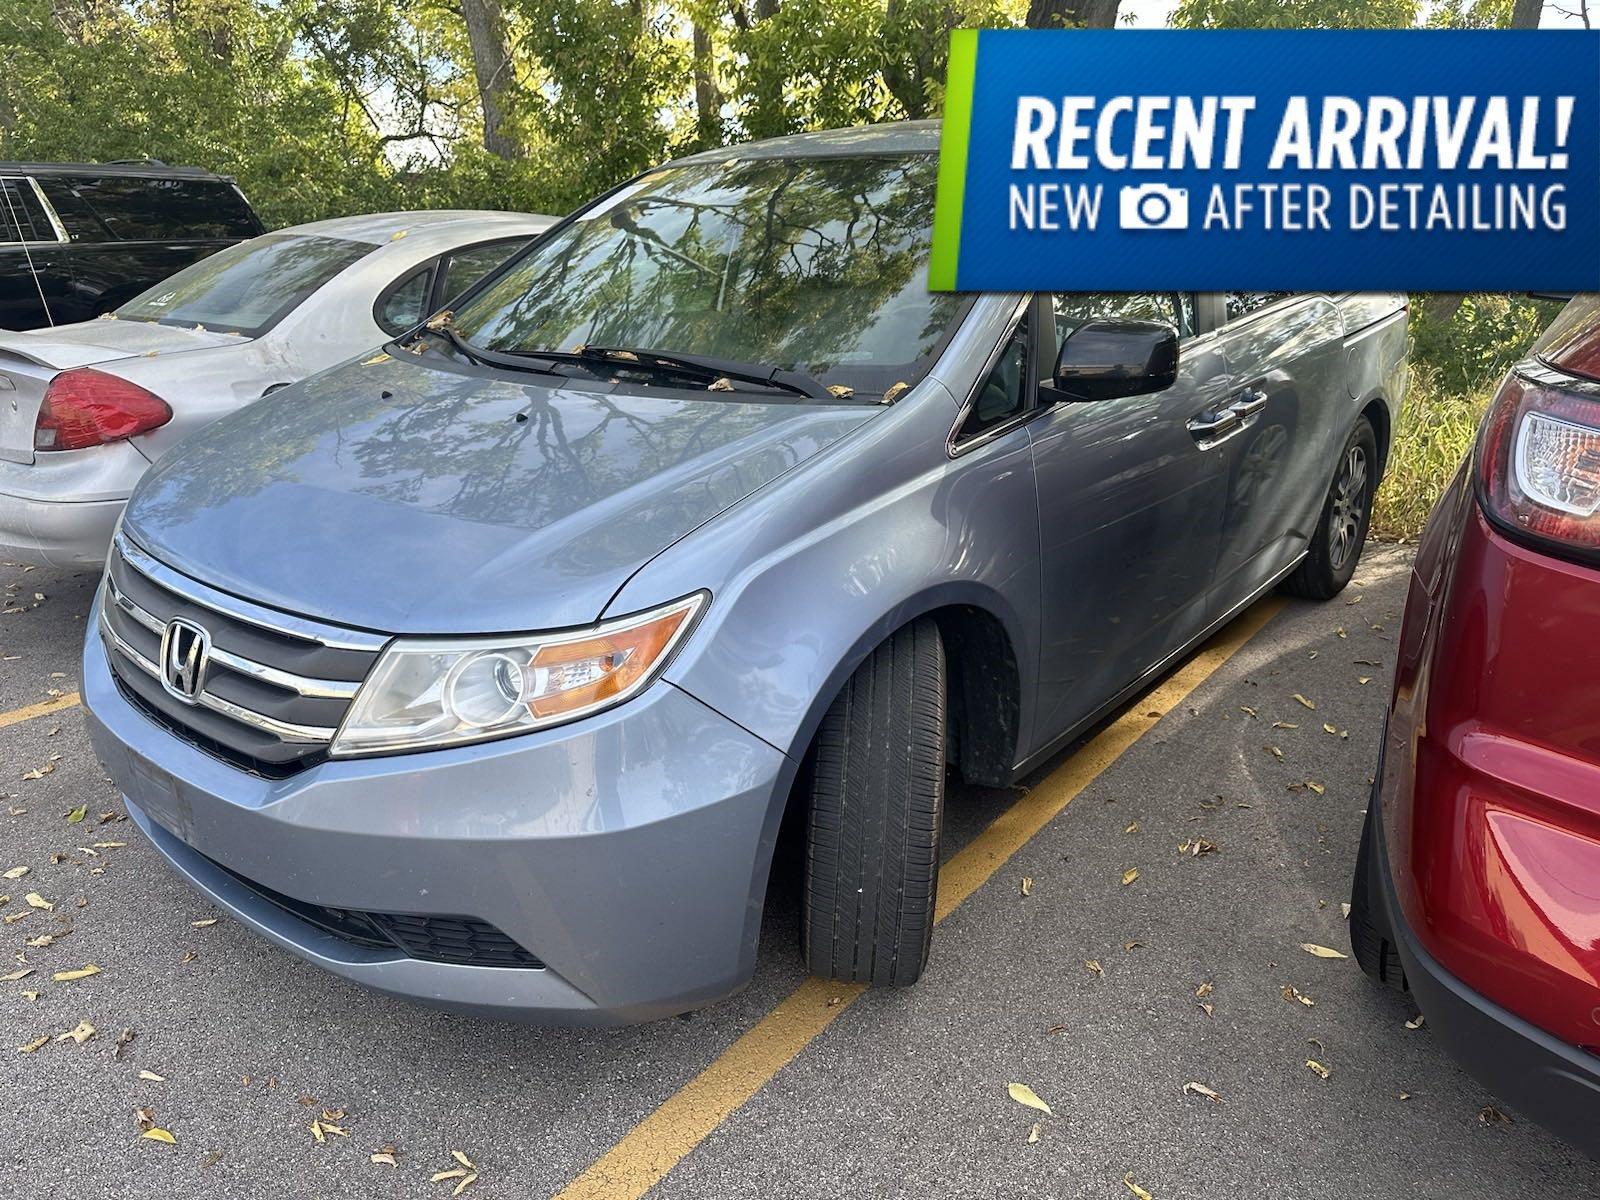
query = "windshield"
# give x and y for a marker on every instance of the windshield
(246, 288)
(817, 265)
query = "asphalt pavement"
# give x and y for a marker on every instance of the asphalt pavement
(1104, 994)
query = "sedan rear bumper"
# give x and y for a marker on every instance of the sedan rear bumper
(627, 852)
(49, 533)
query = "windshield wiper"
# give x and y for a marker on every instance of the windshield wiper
(707, 368)
(491, 358)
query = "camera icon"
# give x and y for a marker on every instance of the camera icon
(1154, 206)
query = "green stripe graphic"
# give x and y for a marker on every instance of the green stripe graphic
(957, 127)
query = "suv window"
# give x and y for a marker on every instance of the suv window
(1242, 304)
(406, 303)
(247, 288)
(465, 267)
(1004, 392)
(137, 209)
(21, 213)
(1170, 308)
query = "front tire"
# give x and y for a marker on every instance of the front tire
(1341, 535)
(875, 786)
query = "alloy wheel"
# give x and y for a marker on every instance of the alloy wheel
(1349, 508)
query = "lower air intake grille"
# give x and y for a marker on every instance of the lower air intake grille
(459, 941)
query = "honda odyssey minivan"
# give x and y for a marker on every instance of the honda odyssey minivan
(482, 668)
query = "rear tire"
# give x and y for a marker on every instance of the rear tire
(1369, 929)
(875, 785)
(1341, 535)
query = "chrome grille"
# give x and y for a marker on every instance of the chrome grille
(274, 687)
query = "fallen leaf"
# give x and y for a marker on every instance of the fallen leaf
(1203, 990)
(157, 1134)
(1317, 1068)
(81, 1034)
(82, 972)
(37, 901)
(1274, 751)
(1196, 847)
(1302, 700)
(1284, 725)
(1033, 1134)
(38, 1043)
(1415, 1023)
(1326, 728)
(1127, 1182)
(1094, 965)
(19, 973)
(77, 814)
(123, 1038)
(1490, 1115)
(467, 1182)
(17, 872)
(1315, 786)
(1290, 992)
(1133, 827)
(1250, 711)
(1200, 1089)
(439, 1176)
(1023, 1094)
(383, 1158)
(1027, 885)
(1321, 951)
(152, 1077)
(206, 924)
(1344, 911)
(463, 1160)
(1364, 680)
(39, 772)
(1129, 876)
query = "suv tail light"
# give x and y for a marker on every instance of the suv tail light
(85, 407)
(1539, 463)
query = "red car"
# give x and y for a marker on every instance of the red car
(1477, 886)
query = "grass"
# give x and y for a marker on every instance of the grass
(1437, 428)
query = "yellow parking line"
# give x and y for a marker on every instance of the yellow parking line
(649, 1151)
(44, 707)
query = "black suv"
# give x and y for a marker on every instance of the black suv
(77, 240)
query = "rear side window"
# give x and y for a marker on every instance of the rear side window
(1242, 304)
(465, 267)
(246, 288)
(405, 304)
(22, 217)
(135, 209)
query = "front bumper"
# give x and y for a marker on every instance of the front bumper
(628, 852)
(1556, 1084)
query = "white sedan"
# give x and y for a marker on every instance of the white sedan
(86, 408)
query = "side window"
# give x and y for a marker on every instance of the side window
(1004, 392)
(154, 209)
(20, 211)
(1242, 304)
(405, 303)
(465, 267)
(1170, 308)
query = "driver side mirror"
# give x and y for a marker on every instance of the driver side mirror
(1107, 360)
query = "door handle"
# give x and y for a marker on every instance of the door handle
(1209, 425)
(1250, 402)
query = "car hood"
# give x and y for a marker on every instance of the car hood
(395, 496)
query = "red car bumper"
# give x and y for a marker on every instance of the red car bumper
(1489, 799)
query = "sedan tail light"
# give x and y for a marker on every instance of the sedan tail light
(1539, 463)
(85, 407)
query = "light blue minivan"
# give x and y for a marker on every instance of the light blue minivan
(483, 668)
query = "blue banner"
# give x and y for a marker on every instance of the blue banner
(1270, 160)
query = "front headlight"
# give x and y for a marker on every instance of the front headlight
(449, 691)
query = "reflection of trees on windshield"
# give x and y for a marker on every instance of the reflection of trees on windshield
(810, 264)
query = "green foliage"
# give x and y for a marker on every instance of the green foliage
(1436, 431)
(1296, 14)
(1465, 343)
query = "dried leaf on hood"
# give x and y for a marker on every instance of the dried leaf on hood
(1321, 951)
(1023, 1094)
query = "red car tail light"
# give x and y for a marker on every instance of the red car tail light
(1539, 464)
(85, 407)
